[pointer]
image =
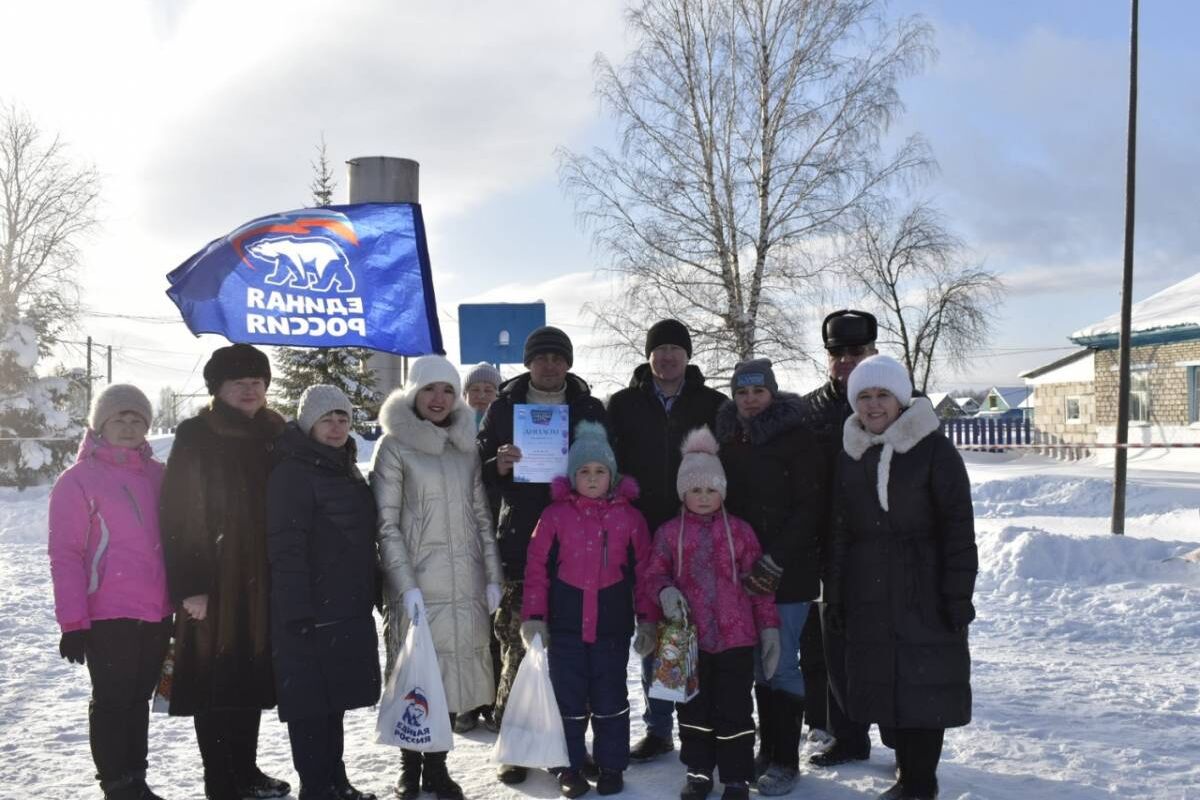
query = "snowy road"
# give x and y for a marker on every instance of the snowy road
(1086, 656)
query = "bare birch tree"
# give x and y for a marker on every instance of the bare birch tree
(46, 204)
(748, 129)
(934, 302)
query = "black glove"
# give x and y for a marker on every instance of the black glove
(72, 646)
(764, 578)
(957, 614)
(834, 618)
(302, 627)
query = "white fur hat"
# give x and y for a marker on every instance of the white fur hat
(700, 465)
(880, 372)
(116, 398)
(431, 369)
(319, 400)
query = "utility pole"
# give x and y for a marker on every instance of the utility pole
(385, 179)
(88, 385)
(1122, 454)
(110, 365)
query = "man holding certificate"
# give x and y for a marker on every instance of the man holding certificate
(523, 445)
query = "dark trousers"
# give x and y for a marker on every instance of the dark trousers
(918, 751)
(849, 734)
(124, 659)
(317, 748)
(228, 740)
(589, 683)
(812, 665)
(716, 728)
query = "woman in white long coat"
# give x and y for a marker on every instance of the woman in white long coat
(437, 546)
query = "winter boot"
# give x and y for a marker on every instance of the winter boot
(697, 787)
(766, 728)
(571, 783)
(894, 792)
(343, 790)
(139, 778)
(650, 747)
(257, 784)
(409, 785)
(838, 754)
(611, 781)
(435, 778)
(736, 791)
(124, 788)
(511, 775)
(315, 793)
(788, 716)
(466, 721)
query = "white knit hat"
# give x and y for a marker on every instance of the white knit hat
(880, 372)
(431, 369)
(319, 400)
(700, 465)
(116, 398)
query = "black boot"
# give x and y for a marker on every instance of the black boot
(611, 781)
(125, 788)
(571, 783)
(788, 714)
(435, 778)
(344, 790)
(409, 785)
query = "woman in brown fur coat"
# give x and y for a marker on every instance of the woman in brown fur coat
(214, 530)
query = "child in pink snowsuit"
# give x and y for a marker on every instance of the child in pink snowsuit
(581, 574)
(696, 568)
(110, 585)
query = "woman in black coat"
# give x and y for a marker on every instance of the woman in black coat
(321, 542)
(778, 482)
(902, 571)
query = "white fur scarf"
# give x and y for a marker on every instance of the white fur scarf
(914, 424)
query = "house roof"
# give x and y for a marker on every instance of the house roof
(963, 401)
(1013, 395)
(1053, 365)
(1170, 315)
(937, 398)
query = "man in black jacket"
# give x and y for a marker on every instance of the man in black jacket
(647, 423)
(548, 356)
(849, 337)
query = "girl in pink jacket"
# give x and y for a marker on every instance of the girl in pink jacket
(696, 569)
(110, 586)
(581, 597)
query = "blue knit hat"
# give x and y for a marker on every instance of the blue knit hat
(591, 444)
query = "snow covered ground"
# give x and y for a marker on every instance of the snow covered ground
(1086, 660)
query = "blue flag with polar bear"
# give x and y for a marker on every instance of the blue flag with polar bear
(337, 276)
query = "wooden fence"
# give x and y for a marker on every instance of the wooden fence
(987, 433)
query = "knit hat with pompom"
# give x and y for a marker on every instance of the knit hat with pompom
(700, 465)
(591, 444)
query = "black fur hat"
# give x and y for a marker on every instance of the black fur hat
(234, 362)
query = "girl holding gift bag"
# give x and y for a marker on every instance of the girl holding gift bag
(437, 547)
(110, 585)
(696, 568)
(580, 590)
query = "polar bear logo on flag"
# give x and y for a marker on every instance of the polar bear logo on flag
(310, 262)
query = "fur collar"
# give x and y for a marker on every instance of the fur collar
(914, 424)
(400, 420)
(785, 412)
(224, 420)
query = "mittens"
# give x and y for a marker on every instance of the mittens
(646, 639)
(72, 646)
(764, 578)
(768, 640)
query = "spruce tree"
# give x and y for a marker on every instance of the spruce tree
(297, 368)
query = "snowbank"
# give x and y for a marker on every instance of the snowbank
(1073, 496)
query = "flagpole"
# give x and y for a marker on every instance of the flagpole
(385, 179)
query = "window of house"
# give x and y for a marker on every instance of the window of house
(1139, 396)
(1073, 414)
(1194, 394)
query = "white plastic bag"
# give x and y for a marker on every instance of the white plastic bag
(531, 732)
(413, 713)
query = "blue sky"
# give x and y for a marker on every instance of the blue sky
(204, 115)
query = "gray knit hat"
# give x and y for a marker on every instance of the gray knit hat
(114, 399)
(483, 372)
(317, 401)
(548, 339)
(754, 372)
(591, 444)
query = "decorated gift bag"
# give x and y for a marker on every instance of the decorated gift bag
(531, 732)
(162, 693)
(676, 662)
(413, 713)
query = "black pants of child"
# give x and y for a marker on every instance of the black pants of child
(228, 741)
(317, 748)
(716, 728)
(589, 681)
(918, 751)
(124, 658)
